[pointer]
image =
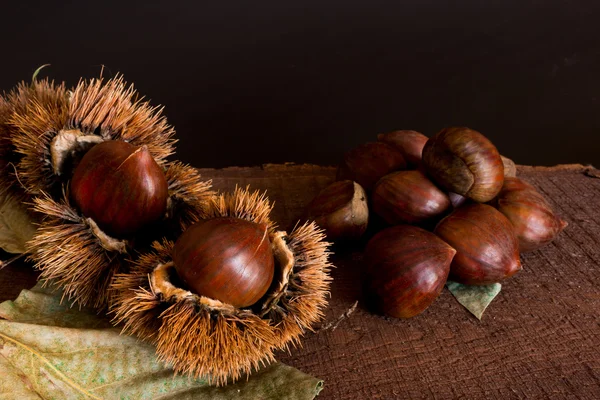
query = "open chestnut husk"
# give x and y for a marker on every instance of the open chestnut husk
(409, 143)
(368, 162)
(534, 221)
(408, 197)
(487, 250)
(406, 269)
(200, 335)
(464, 161)
(118, 200)
(341, 209)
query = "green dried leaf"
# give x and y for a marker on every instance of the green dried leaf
(16, 224)
(474, 298)
(51, 351)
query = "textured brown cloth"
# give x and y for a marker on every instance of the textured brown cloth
(540, 338)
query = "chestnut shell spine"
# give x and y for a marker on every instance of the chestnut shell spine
(231, 341)
(487, 250)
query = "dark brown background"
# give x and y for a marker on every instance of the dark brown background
(249, 82)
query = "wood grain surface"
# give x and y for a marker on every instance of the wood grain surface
(538, 339)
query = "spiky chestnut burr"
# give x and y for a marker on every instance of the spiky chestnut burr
(202, 336)
(55, 128)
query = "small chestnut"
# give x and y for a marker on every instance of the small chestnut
(226, 259)
(464, 161)
(120, 187)
(533, 219)
(341, 210)
(368, 162)
(487, 250)
(409, 143)
(407, 268)
(408, 197)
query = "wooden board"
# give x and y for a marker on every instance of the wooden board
(539, 338)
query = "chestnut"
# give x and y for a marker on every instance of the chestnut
(532, 217)
(464, 161)
(368, 162)
(407, 268)
(409, 143)
(408, 197)
(120, 187)
(510, 169)
(341, 210)
(227, 259)
(487, 250)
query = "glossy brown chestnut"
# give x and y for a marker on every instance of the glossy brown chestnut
(408, 197)
(120, 187)
(368, 162)
(533, 219)
(407, 268)
(341, 209)
(487, 250)
(464, 161)
(226, 259)
(409, 143)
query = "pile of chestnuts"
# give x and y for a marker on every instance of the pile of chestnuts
(432, 209)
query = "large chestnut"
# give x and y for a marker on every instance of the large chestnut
(120, 187)
(464, 161)
(532, 217)
(368, 162)
(408, 197)
(341, 210)
(487, 250)
(226, 259)
(409, 143)
(407, 268)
